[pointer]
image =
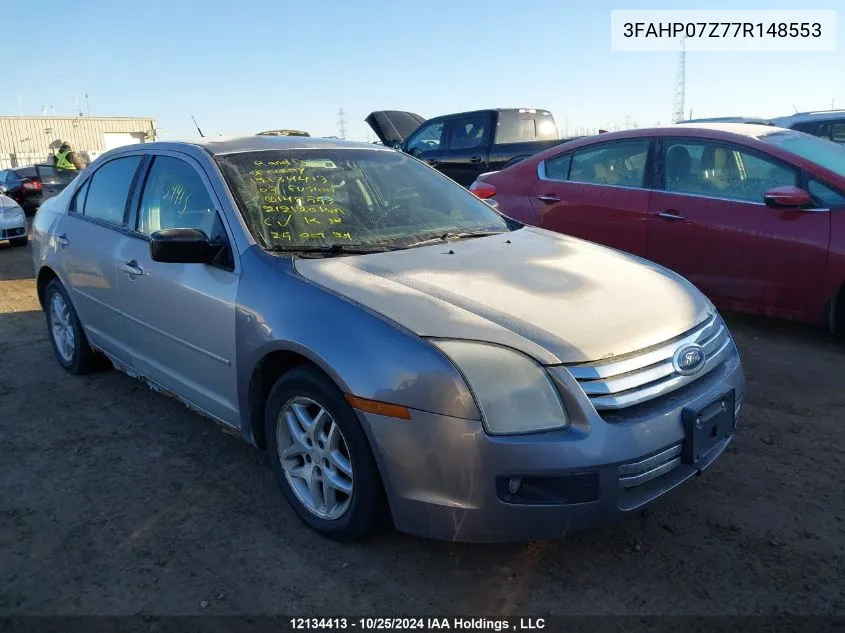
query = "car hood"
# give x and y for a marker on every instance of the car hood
(7, 202)
(553, 297)
(393, 126)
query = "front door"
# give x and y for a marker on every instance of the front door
(427, 142)
(182, 315)
(597, 193)
(88, 237)
(467, 149)
(710, 224)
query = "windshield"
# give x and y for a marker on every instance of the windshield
(350, 198)
(824, 153)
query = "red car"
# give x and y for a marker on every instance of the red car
(753, 215)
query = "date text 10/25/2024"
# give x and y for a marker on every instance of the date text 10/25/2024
(417, 624)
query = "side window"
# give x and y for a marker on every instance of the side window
(710, 169)
(837, 131)
(108, 189)
(426, 139)
(78, 203)
(557, 168)
(825, 196)
(620, 163)
(808, 127)
(468, 132)
(175, 197)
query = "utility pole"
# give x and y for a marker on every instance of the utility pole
(341, 124)
(680, 84)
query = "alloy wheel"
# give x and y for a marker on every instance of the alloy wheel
(315, 458)
(61, 325)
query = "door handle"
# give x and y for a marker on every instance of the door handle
(670, 215)
(475, 160)
(62, 240)
(131, 267)
(548, 198)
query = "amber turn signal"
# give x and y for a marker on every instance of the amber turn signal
(379, 408)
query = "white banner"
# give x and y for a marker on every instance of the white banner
(729, 31)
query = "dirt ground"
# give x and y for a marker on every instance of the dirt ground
(116, 500)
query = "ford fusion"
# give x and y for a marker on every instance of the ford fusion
(401, 351)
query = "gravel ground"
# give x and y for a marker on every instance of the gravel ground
(116, 500)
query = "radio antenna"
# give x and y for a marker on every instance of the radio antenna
(198, 127)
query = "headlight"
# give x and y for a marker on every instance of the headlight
(12, 213)
(514, 393)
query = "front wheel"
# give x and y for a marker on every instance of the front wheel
(321, 456)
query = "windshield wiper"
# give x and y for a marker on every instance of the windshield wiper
(327, 251)
(450, 236)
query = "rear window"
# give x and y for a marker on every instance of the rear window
(51, 174)
(519, 126)
(822, 152)
(26, 172)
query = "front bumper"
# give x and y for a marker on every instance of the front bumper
(12, 228)
(445, 478)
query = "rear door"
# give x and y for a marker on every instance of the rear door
(467, 147)
(710, 224)
(181, 316)
(88, 237)
(599, 192)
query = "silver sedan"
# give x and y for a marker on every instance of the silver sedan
(401, 350)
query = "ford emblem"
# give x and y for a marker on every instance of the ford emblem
(689, 359)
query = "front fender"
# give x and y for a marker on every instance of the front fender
(365, 354)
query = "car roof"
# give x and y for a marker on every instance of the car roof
(800, 117)
(723, 131)
(233, 145)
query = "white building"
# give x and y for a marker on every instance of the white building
(25, 140)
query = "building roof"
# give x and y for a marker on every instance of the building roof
(50, 117)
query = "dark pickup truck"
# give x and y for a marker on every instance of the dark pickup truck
(467, 144)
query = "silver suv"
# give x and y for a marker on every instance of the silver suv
(398, 347)
(829, 124)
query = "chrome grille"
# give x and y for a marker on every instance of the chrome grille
(636, 378)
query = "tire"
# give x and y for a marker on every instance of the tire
(78, 358)
(301, 393)
(19, 241)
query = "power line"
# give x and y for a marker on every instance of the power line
(341, 124)
(680, 84)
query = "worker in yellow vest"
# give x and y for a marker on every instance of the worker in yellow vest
(65, 158)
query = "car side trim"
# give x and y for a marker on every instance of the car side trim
(205, 352)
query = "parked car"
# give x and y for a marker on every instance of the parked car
(388, 338)
(828, 124)
(731, 119)
(752, 215)
(464, 145)
(30, 186)
(13, 225)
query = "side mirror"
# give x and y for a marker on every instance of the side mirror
(3, 189)
(788, 197)
(183, 246)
